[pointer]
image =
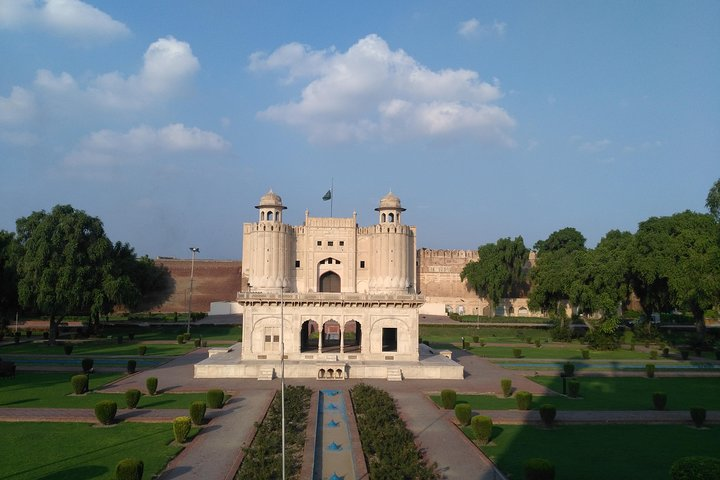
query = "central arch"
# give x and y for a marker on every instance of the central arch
(329, 282)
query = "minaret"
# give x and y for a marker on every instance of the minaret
(270, 260)
(392, 249)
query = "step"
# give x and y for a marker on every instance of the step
(394, 374)
(266, 373)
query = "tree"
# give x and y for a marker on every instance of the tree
(713, 200)
(565, 240)
(498, 270)
(677, 264)
(9, 253)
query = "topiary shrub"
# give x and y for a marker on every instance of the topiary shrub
(524, 400)
(180, 339)
(547, 414)
(215, 398)
(684, 353)
(665, 352)
(650, 370)
(181, 428)
(476, 338)
(538, 343)
(197, 342)
(142, 349)
(79, 384)
(132, 397)
(653, 354)
(539, 469)
(105, 411)
(506, 385)
(695, 468)
(585, 353)
(151, 383)
(131, 366)
(67, 348)
(517, 353)
(204, 343)
(448, 398)
(698, 416)
(482, 426)
(659, 400)
(569, 369)
(197, 412)
(573, 388)
(186, 336)
(463, 412)
(87, 364)
(129, 469)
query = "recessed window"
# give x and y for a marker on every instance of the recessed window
(342, 243)
(319, 243)
(330, 243)
(297, 263)
(362, 263)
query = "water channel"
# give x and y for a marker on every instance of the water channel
(333, 450)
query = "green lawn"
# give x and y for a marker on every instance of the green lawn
(53, 390)
(556, 351)
(99, 347)
(452, 334)
(78, 451)
(624, 393)
(600, 452)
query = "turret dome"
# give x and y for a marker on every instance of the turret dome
(390, 202)
(270, 200)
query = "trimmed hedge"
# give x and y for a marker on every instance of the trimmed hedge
(151, 383)
(463, 412)
(698, 416)
(131, 366)
(696, 468)
(79, 384)
(659, 400)
(142, 349)
(573, 388)
(482, 427)
(180, 339)
(539, 469)
(524, 400)
(105, 411)
(517, 352)
(585, 353)
(506, 385)
(215, 398)
(448, 398)
(547, 414)
(650, 370)
(197, 412)
(67, 348)
(181, 428)
(569, 369)
(129, 469)
(87, 364)
(132, 397)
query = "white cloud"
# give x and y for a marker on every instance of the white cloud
(20, 139)
(473, 28)
(373, 92)
(594, 146)
(18, 107)
(107, 147)
(63, 17)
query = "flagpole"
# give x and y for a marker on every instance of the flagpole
(332, 195)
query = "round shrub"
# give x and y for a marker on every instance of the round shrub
(574, 388)
(569, 369)
(547, 414)
(659, 400)
(142, 349)
(698, 416)
(131, 336)
(197, 412)
(181, 428)
(132, 397)
(79, 384)
(197, 342)
(180, 339)
(506, 385)
(131, 366)
(68, 348)
(650, 370)
(151, 383)
(665, 352)
(105, 411)
(186, 336)
(87, 364)
(517, 353)
(585, 353)
(524, 400)
(129, 469)
(684, 353)
(539, 469)
(476, 338)
(695, 468)
(482, 426)
(204, 343)
(653, 354)
(463, 412)
(215, 398)
(448, 398)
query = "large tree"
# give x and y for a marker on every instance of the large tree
(498, 271)
(712, 202)
(9, 253)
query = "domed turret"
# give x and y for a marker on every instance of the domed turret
(390, 208)
(270, 207)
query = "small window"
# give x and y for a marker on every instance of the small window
(319, 243)
(362, 263)
(297, 263)
(330, 243)
(342, 243)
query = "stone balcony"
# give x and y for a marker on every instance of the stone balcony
(345, 299)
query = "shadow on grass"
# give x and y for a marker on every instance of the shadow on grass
(16, 402)
(78, 473)
(153, 403)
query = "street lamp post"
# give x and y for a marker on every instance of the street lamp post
(194, 250)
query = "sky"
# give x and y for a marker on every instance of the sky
(169, 119)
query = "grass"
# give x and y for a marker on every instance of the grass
(599, 452)
(56, 451)
(98, 347)
(624, 393)
(447, 334)
(53, 390)
(556, 351)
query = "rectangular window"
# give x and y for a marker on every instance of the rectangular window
(297, 263)
(362, 263)
(389, 339)
(330, 243)
(319, 243)
(342, 243)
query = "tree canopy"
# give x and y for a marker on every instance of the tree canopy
(712, 202)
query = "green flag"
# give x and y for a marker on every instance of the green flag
(328, 195)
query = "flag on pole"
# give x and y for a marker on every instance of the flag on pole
(327, 196)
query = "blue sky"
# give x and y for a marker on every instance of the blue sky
(169, 119)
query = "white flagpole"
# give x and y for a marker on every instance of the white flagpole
(332, 195)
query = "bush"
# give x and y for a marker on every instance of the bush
(653, 354)
(476, 339)
(650, 370)
(105, 411)
(87, 365)
(524, 400)
(695, 468)
(463, 412)
(506, 385)
(131, 366)
(79, 384)
(539, 469)
(67, 348)
(698, 416)
(197, 412)
(665, 352)
(142, 349)
(659, 400)
(151, 383)
(585, 353)
(181, 428)
(215, 398)
(569, 369)
(186, 336)
(448, 398)
(482, 426)
(196, 342)
(204, 343)
(517, 353)
(132, 397)
(129, 469)
(119, 339)
(573, 388)
(684, 353)
(180, 339)
(538, 343)
(547, 414)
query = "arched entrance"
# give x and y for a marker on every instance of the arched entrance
(352, 337)
(309, 336)
(331, 336)
(329, 282)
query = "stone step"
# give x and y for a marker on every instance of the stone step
(394, 374)
(266, 373)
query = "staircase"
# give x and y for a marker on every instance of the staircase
(267, 372)
(394, 374)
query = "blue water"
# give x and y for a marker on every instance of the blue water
(333, 448)
(615, 366)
